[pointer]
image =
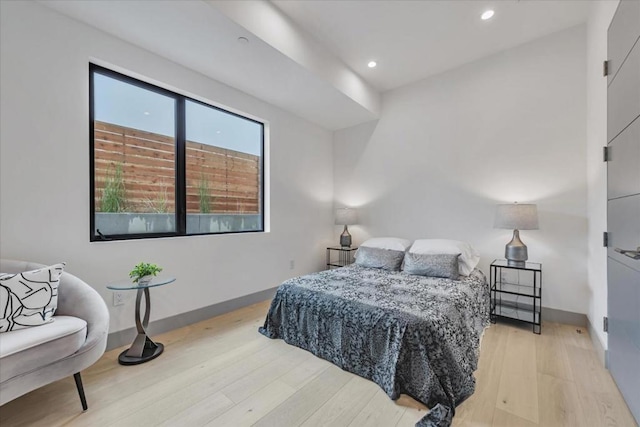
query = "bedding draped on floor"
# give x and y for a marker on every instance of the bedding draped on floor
(409, 334)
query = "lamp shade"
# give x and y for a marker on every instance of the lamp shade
(517, 217)
(346, 216)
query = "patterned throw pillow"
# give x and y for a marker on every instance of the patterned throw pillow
(469, 256)
(385, 259)
(29, 298)
(432, 265)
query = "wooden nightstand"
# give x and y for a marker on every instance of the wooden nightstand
(338, 256)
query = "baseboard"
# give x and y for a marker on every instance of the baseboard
(126, 336)
(597, 346)
(566, 317)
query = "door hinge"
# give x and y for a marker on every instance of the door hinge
(605, 68)
(606, 154)
(605, 239)
(605, 324)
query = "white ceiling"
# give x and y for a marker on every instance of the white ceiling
(200, 37)
(411, 40)
(309, 56)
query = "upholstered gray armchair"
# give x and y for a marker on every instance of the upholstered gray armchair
(75, 340)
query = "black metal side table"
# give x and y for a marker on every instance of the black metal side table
(143, 348)
(518, 299)
(338, 256)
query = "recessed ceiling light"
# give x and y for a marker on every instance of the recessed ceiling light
(372, 64)
(487, 14)
(146, 113)
(217, 131)
(243, 40)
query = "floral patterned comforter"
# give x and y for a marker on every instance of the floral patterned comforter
(409, 334)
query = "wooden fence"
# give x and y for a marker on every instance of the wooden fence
(148, 165)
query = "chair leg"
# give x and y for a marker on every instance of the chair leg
(83, 399)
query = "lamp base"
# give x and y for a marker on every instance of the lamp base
(512, 263)
(345, 238)
(515, 251)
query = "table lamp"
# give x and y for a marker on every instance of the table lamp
(516, 217)
(346, 216)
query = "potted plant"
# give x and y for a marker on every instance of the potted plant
(114, 191)
(144, 272)
(204, 195)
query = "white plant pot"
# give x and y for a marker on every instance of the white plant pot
(144, 280)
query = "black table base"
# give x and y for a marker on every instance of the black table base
(150, 351)
(143, 349)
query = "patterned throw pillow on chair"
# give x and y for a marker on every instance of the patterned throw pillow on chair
(29, 298)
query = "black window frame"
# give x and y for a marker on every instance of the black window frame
(180, 161)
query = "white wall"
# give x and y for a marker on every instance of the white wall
(447, 149)
(600, 17)
(44, 178)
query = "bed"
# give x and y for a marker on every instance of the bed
(409, 334)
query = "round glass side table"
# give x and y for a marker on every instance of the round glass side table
(143, 348)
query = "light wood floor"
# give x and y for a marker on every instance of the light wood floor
(222, 372)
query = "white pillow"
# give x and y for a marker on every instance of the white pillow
(390, 243)
(469, 257)
(29, 298)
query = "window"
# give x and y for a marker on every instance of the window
(163, 164)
